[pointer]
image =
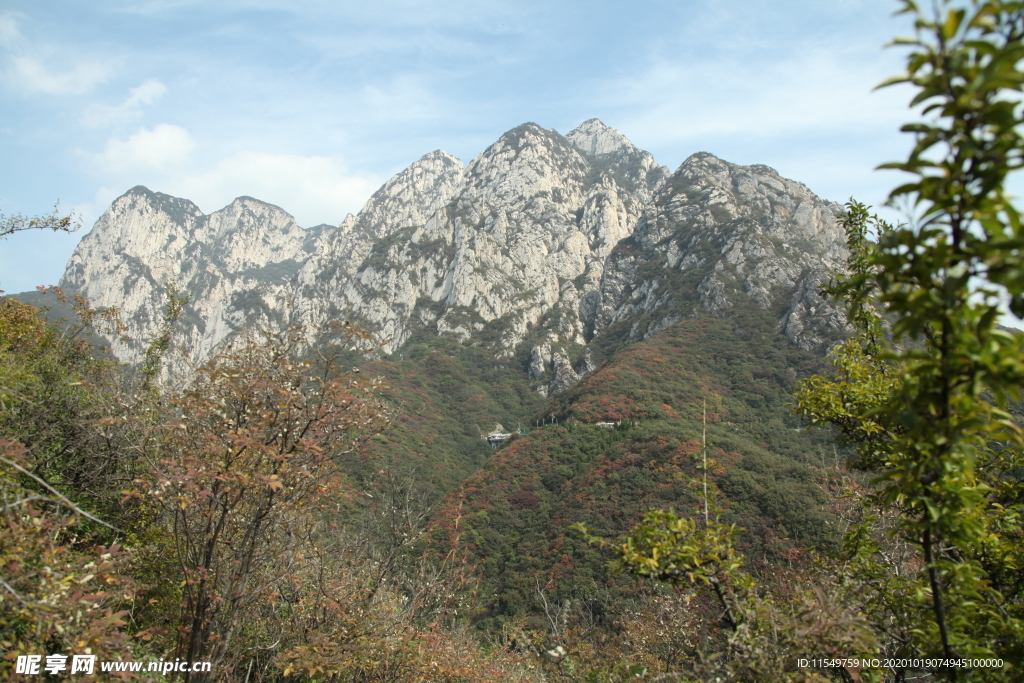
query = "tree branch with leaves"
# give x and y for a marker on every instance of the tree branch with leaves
(249, 466)
(929, 409)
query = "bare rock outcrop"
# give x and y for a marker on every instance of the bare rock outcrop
(542, 239)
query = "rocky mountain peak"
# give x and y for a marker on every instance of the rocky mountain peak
(543, 239)
(327, 286)
(245, 218)
(141, 199)
(236, 264)
(779, 207)
(594, 138)
(411, 196)
(613, 155)
(524, 162)
(524, 135)
(726, 237)
(250, 205)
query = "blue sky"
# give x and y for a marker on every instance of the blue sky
(312, 105)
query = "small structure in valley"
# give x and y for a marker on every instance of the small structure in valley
(496, 437)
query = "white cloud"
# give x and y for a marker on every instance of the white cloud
(9, 33)
(129, 110)
(30, 74)
(821, 91)
(162, 148)
(147, 93)
(314, 189)
(25, 66)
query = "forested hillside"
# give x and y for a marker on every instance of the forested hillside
(765, 471)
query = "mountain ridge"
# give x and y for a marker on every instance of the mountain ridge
(541, 242)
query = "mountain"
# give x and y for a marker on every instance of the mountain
(238, 265)
(766, 473)
(541, 245)
(718, 237)
(553, 283)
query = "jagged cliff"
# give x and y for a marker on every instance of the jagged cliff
(718, 235)
(542, 240)
(238, 264)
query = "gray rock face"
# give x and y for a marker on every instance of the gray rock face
(238, 264)
(540, 357)
(553, 371)
(610, 152)
(542, 239)
(811, 321)
(720, 235)
(517, 247)
(346, 276)
(565, 376)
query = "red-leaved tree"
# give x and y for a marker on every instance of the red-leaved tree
(247, 473)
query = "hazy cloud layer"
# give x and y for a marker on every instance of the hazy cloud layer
(164, 147)
(313, 189)
(130, 109)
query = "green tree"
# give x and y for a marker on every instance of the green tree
(935, 424)
(930, 409)
(63, 578)
(158, 346)
(926, 386)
